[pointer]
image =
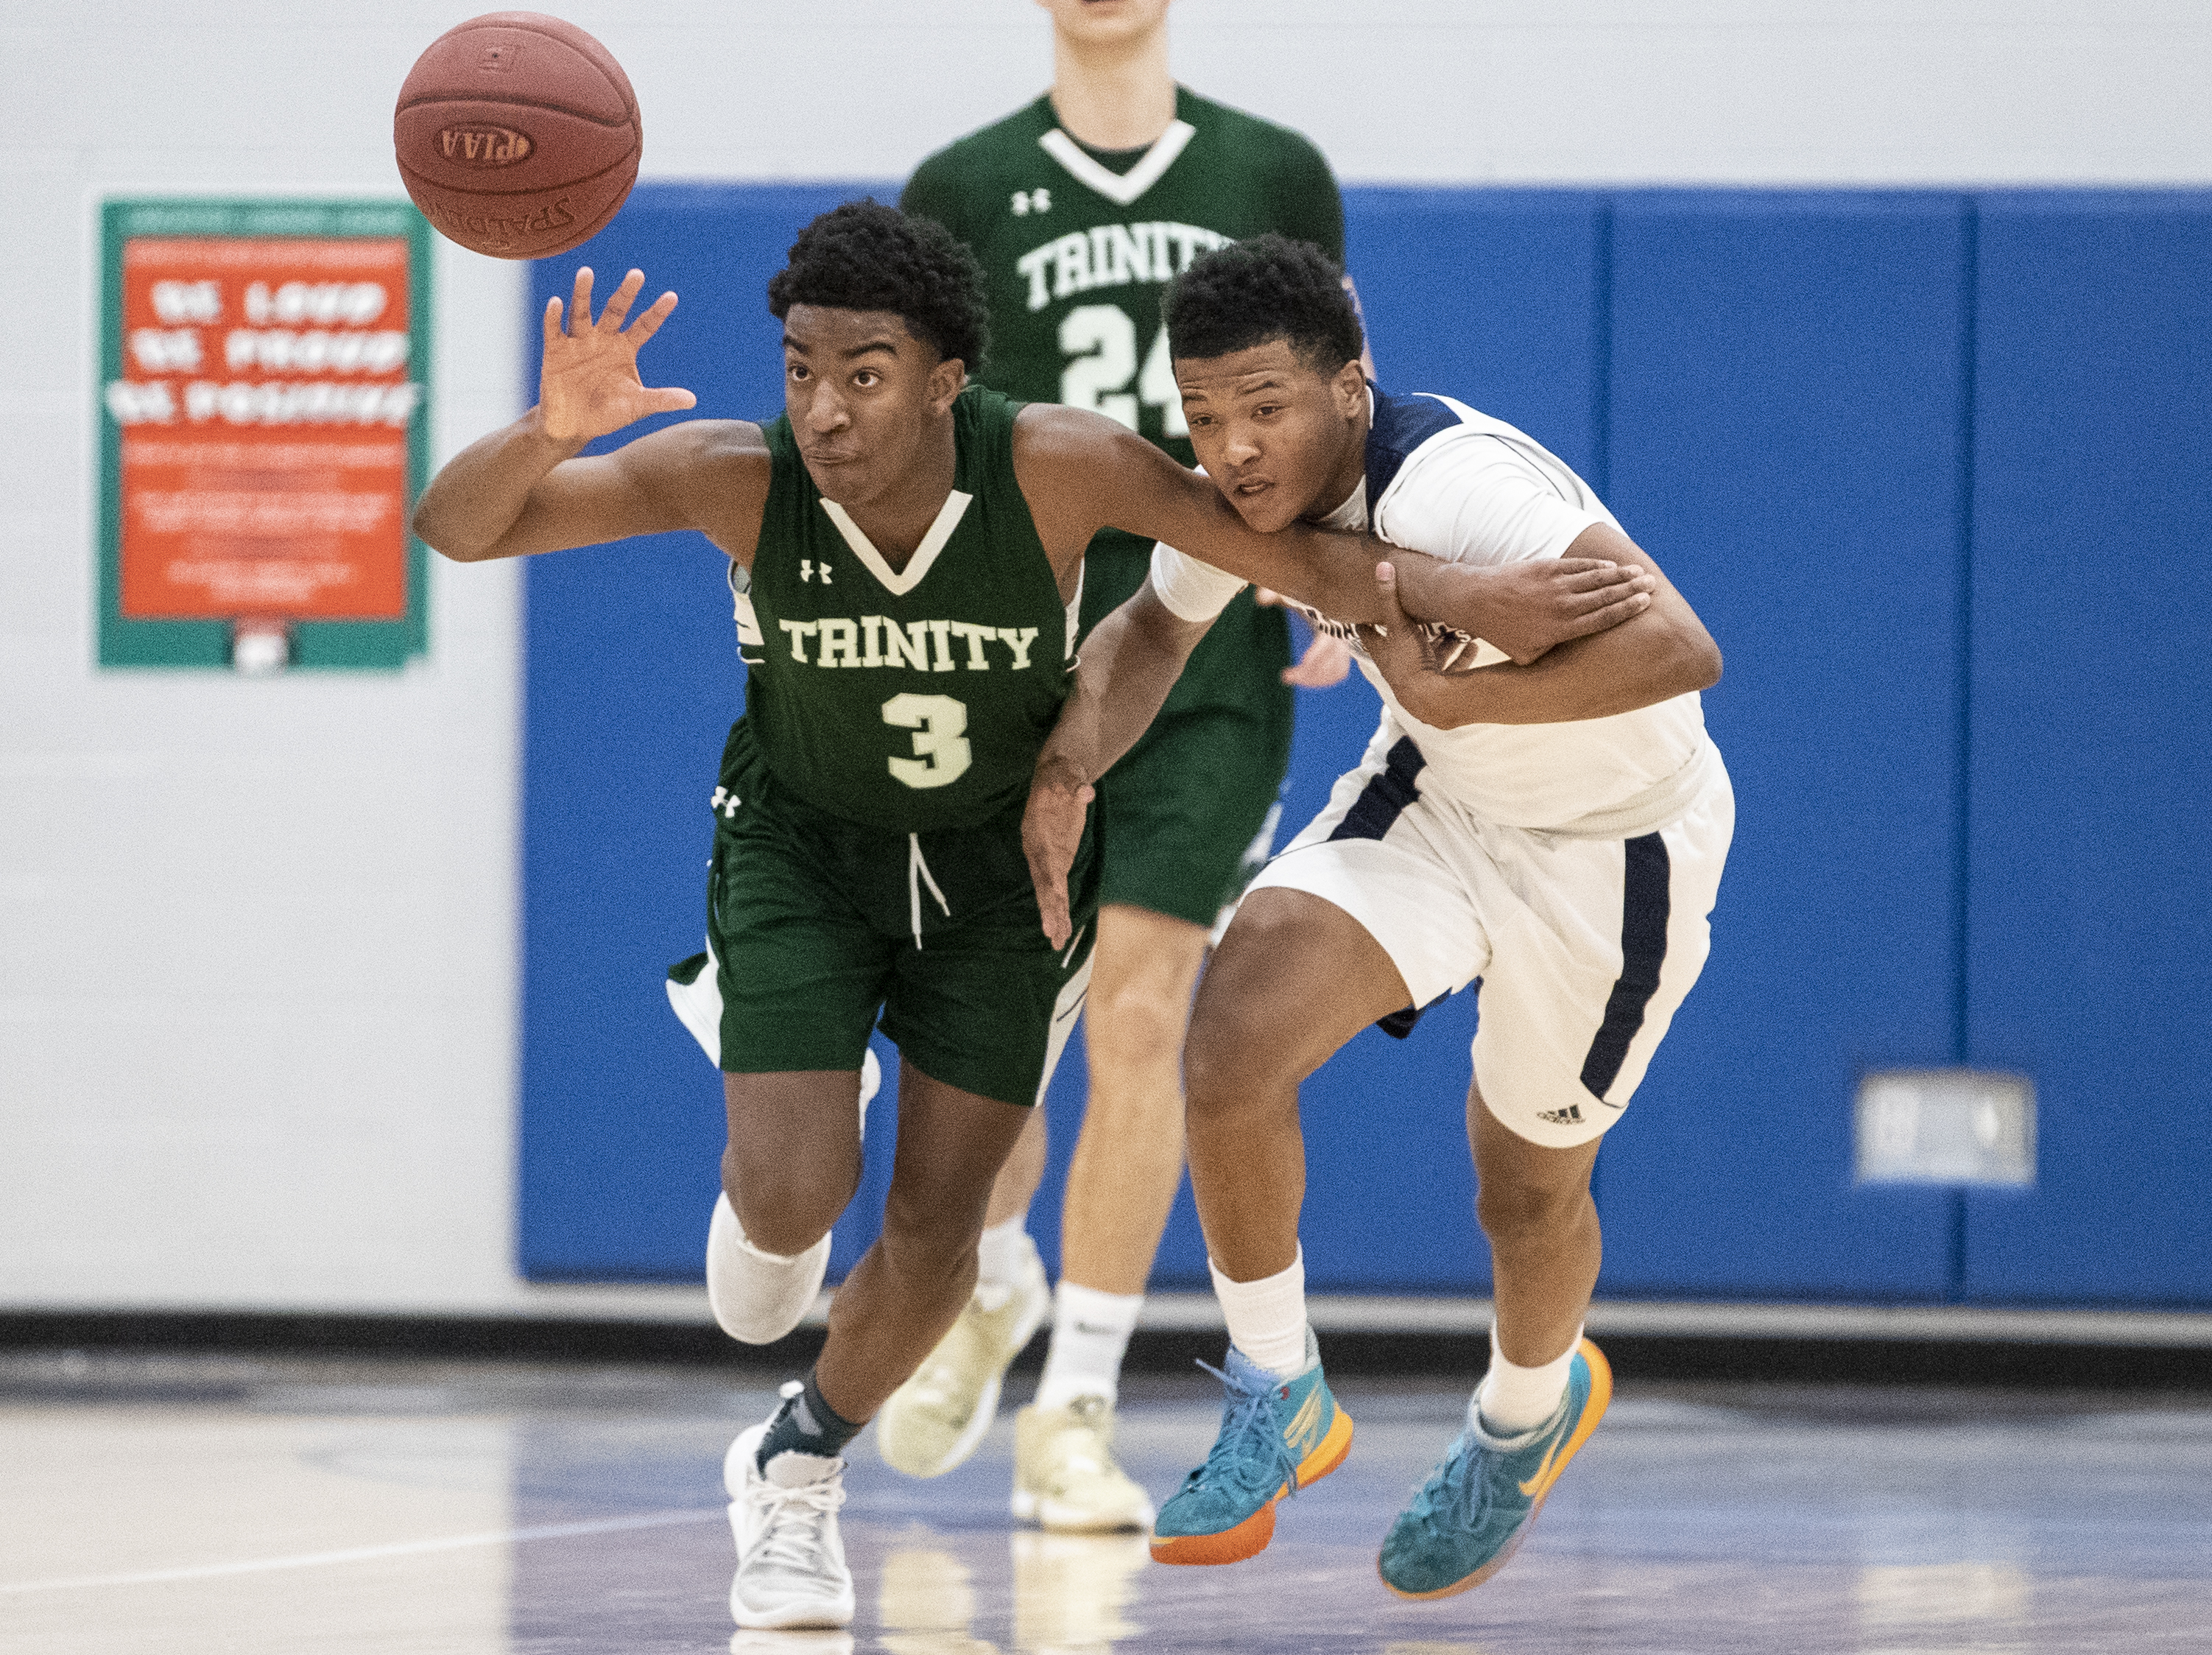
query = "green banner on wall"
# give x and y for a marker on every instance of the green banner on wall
(265, 405)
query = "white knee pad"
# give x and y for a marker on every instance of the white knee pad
(758, 1297)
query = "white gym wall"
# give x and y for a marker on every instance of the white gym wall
(258, 939)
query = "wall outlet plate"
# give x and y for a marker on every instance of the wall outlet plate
(1946, 1125)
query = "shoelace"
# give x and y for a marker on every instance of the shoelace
(1250, 1413)
(1454, 1492)
(792, 1518)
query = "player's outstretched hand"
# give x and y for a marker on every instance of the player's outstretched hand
(1528, 607)
(589, 384)
(1052, 832)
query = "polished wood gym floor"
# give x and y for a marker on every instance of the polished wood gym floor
(463, 1509)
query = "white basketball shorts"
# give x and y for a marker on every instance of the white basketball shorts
(1584, 947)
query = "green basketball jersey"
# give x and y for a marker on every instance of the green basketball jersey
(914, 700)
(1078, 246)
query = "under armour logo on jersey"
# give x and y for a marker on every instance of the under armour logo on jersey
(808, 568)
(725, 801)
(1031, 201)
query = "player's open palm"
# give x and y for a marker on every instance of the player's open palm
(589, 384)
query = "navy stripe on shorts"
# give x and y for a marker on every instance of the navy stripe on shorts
(1644, 910)
(1386, 795)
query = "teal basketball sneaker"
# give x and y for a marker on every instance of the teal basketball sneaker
(1473, 1513)
(1277, 1436)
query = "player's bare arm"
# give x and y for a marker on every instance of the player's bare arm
(1662, 653)
(529, 488)
(1130, 662)
(1082, 472)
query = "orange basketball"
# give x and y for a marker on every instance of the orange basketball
(517, 135)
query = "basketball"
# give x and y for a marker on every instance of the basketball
(517, 135)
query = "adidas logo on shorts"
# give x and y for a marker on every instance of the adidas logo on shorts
(1571, 1116)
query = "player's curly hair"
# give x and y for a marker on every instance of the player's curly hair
(866, 256)
(1268, 287)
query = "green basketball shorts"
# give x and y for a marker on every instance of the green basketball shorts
(1187, 817)
(818, 927)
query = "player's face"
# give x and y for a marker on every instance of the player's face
(1104, 22)
(863, 395)
(1280, 438)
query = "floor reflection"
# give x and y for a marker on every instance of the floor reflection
(1069, 1591)
(480, 1511)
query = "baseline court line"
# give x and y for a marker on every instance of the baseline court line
(363, 1554)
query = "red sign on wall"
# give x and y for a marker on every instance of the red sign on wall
(265, 415)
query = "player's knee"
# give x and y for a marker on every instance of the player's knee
(1226, 1072)
(930, 1231)
(1239, 1048)
(1136, 1022)
(1512, 1210)
(780, 1213)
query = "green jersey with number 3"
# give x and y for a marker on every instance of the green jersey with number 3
(914, 699)
(1078, 244)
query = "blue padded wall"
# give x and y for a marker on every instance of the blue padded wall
(1786, 390)
(1493, 297)
(2091, 937)
(1780, 395)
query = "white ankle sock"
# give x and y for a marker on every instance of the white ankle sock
(1090, 1333)
(1267, 1317)
(1515, 1400)
(758, 1297)
(1002, 1258)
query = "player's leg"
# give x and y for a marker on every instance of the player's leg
(1294, 977)
(1363, 917)
(1128, 1157)
(783, 1002)
(1534, 1203)
(791, 1166)
(785, 1476)
(1118, 1191)
(906, 1290)
(987, 1005)
(1127, 1162)
(1546, 1388)
(1606, 938)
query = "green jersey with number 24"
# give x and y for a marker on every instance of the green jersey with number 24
(1078, 245)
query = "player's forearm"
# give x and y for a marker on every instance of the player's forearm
(481, 493)
(1638, 663)
(1130, 662)
(1333, 572)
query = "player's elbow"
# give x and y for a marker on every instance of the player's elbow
(430, 527)
(1696, 663)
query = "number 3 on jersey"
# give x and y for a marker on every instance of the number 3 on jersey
(941, 753)
(1102, 343)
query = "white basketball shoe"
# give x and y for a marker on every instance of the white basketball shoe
(791, 1561)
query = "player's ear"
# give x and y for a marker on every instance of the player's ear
(945, 382)
(1349, 388)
